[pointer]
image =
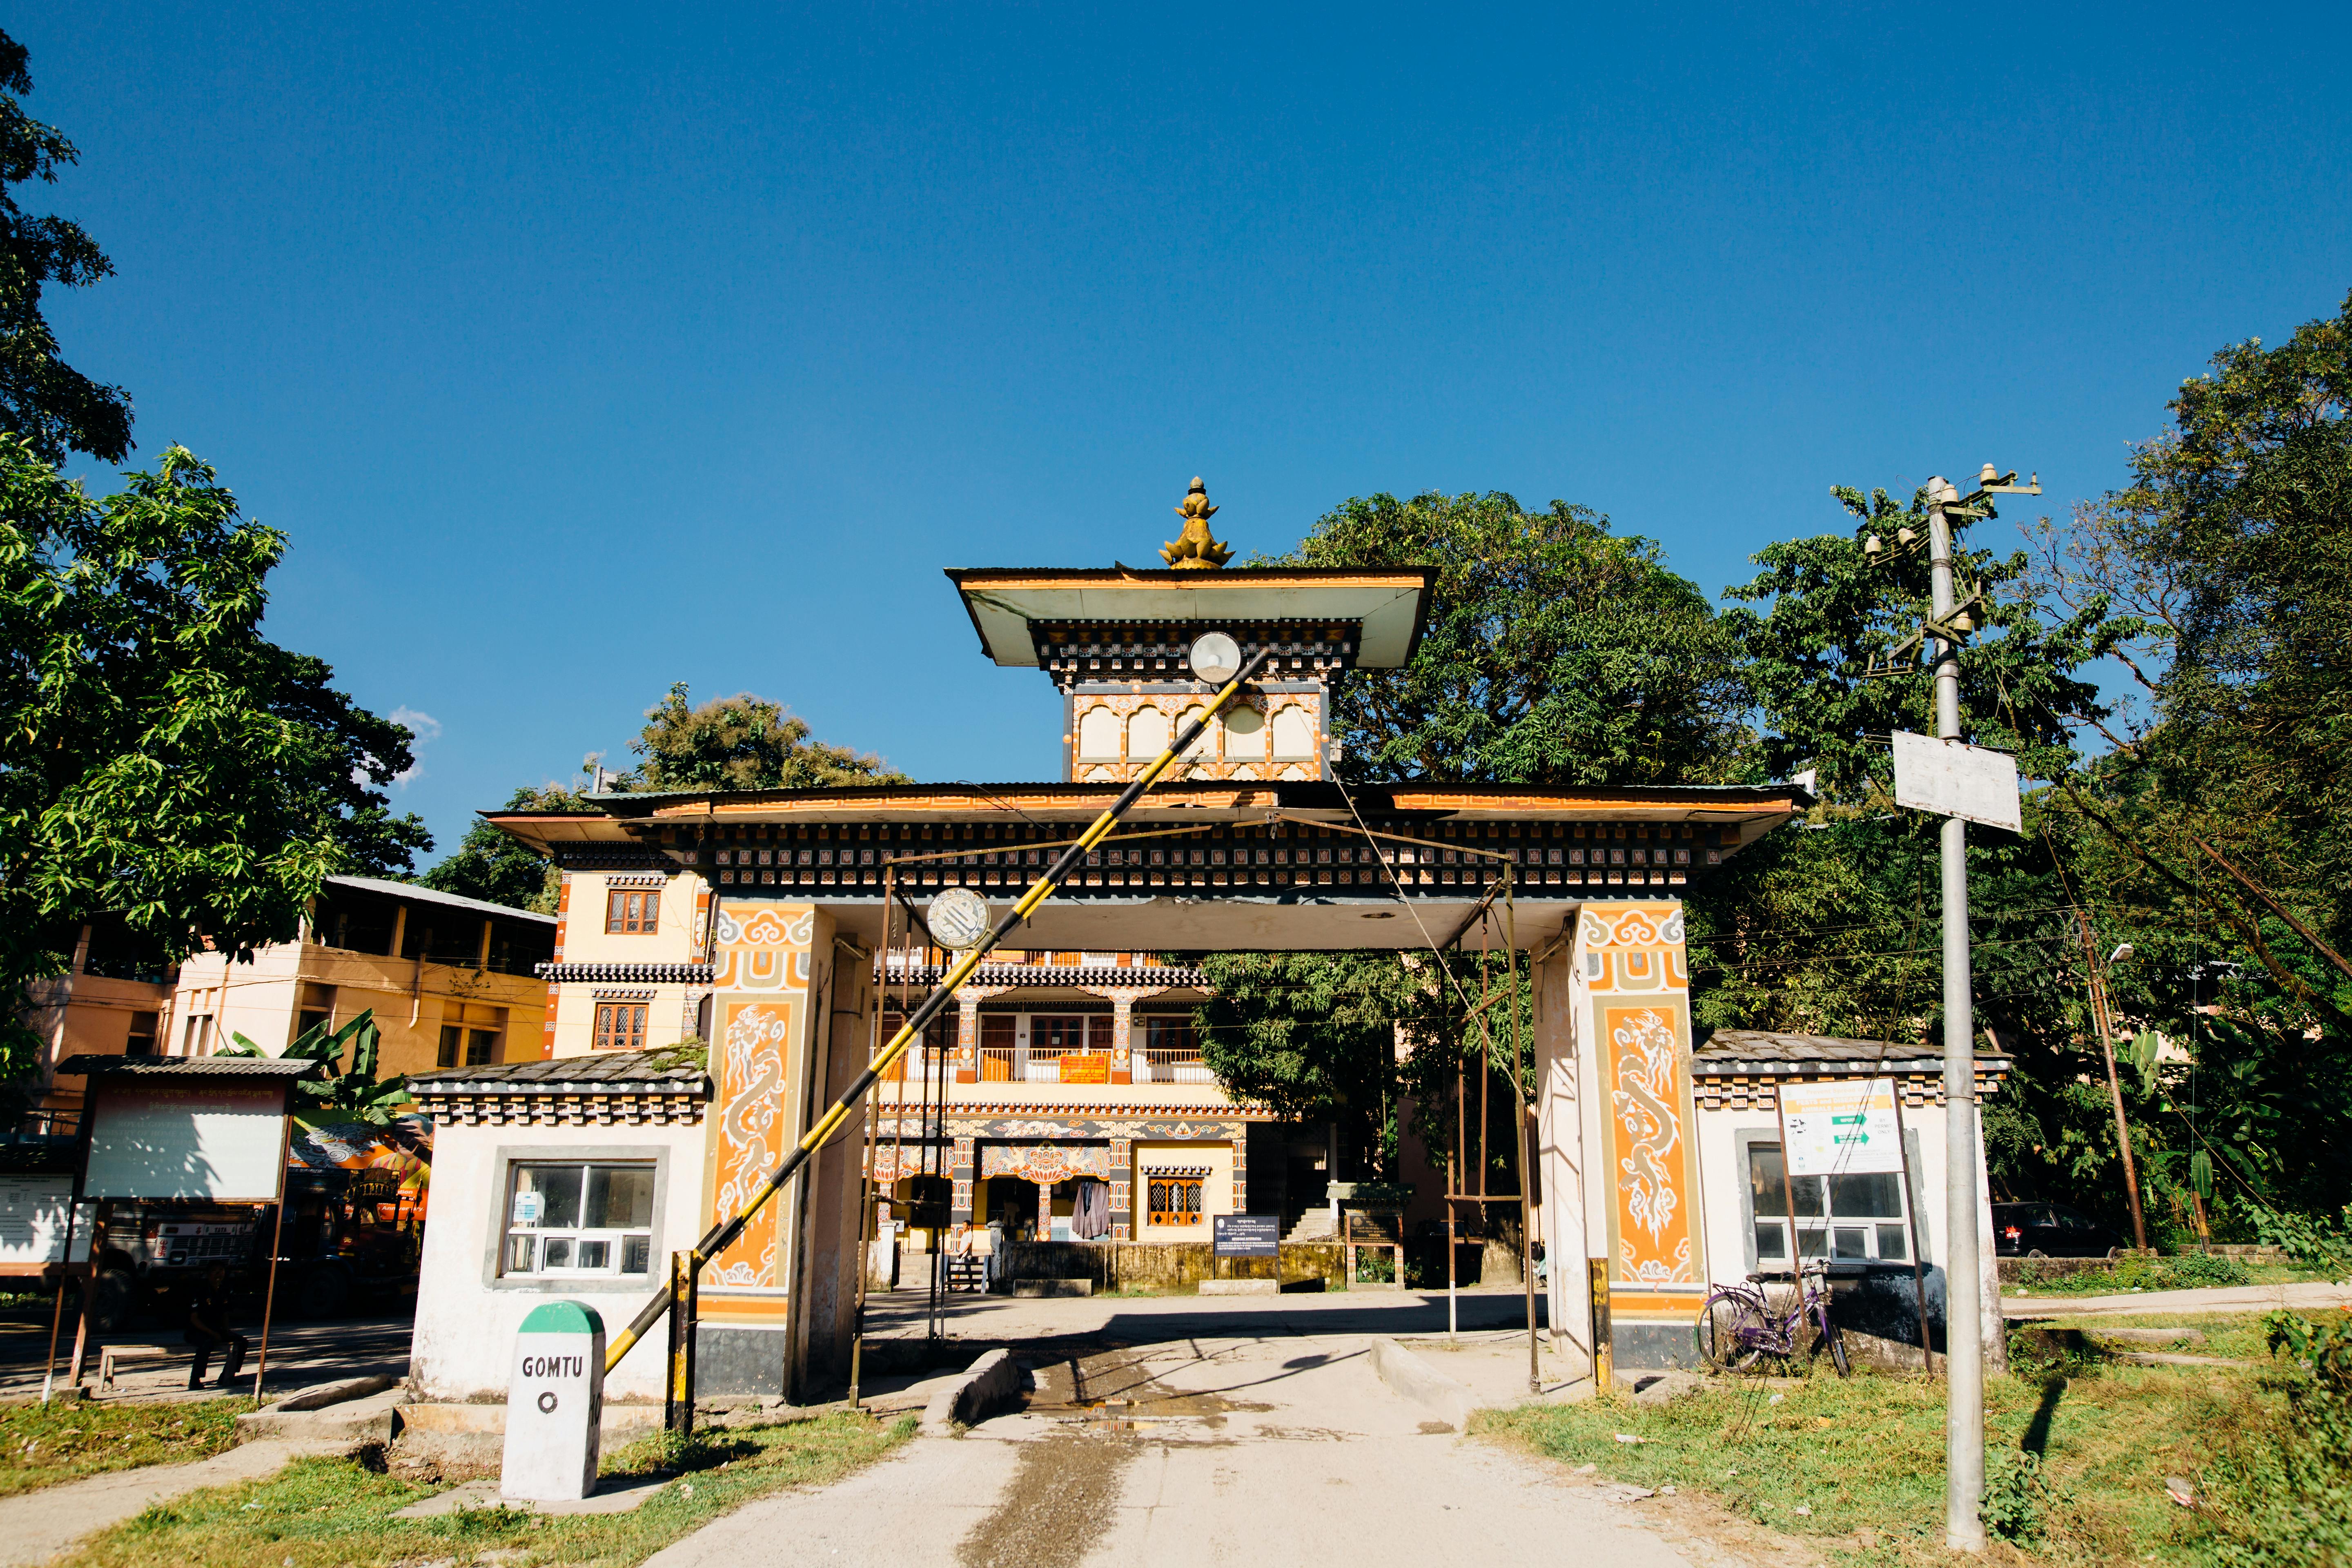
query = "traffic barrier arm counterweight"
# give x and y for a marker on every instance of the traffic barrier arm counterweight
(722, 1236)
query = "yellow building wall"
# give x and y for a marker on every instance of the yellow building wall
(1216, 1188)
(263, 1000)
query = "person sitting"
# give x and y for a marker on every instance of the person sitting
(208, 1327)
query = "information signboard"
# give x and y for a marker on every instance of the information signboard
(1086, 1066)
(1949, 779)
(32, 1223)
(219, 1140)
(1839, 1129)
(1248, 1235)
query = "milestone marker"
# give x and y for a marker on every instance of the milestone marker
(555, 1404)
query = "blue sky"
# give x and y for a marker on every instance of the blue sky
(583, 349)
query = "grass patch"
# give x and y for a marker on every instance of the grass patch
(2076, 1463)
(336, 1513)
(2190, 1271)
(46, 1445)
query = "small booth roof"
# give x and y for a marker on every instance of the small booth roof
(1390, 604)
(188, 1067)
(1765, 1053)
(626, 1072)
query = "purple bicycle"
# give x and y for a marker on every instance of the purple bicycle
(1738, 1326)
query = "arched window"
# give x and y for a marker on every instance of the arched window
(1207, 744)
(1098, 735)
(1244, 736)
(1147, 734)
(1294, 733)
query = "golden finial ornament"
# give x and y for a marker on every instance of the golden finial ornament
(1196, 548)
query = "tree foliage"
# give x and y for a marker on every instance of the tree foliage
(1555, 651)
(740, 742)
(53, 406)
(162, 761)
(498, 868)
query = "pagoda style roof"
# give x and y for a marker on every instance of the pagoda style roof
(1380, 611)
(1198, 865)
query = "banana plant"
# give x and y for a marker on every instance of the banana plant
(346, 1097)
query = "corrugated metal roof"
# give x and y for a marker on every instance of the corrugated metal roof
(434, 896)
(188, 1066)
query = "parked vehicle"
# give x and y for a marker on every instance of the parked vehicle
(2049, 1230)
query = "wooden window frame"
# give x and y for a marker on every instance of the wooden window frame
(1167, 1209)
(632, 912)
(621, 1025)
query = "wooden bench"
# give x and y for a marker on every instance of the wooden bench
(112, 1355)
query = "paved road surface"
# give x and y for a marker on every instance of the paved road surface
(1260, 1443)
(301, 1351)
(2211, 1298)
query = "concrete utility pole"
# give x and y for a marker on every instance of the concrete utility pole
(1963, 1320)
(1964, 1309)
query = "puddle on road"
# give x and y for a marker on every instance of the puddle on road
(1063, 1497)
(1060, 1502)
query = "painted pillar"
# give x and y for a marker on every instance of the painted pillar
(1122, 1019)
(1629, 986)
(765, 1017)
(1238, 1131)
(965, 1185)
(1122, 1170)
(968, 1035)
(1560, 1153)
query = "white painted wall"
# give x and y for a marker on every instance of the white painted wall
(1723, 1174)
(466, 1321)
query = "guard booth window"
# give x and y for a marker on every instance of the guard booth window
(576, 1219)
(1858, 1216)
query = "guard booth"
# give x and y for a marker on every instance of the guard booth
(1257, 845)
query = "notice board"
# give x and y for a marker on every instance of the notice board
(220, 1141)
(33, 1222)
(1247, 1236)
(1843, 1127)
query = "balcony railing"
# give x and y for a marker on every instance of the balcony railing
(1171, 1067)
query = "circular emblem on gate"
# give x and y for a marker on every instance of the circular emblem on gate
(547, 1403)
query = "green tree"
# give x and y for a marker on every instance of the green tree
(1555, 652)
(2221, 818)
(498, 868)
(740, 742)
(163, 762)
(53, 406)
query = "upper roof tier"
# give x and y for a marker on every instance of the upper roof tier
(1380, 611)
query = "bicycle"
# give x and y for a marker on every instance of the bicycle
(1738, 1326)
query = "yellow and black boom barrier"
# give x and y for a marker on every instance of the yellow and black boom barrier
(722, 1236)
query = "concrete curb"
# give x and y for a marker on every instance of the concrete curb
(374, 1417)
(1415, 1379)
(990, 1383)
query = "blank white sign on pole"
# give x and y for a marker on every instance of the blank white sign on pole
(1948, 778)
(224, 1142)
(1843, 1128)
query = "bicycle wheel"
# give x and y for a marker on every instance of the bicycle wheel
(1835, 1343)
(1731, 1331)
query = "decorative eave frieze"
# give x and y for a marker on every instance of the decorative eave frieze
(1754, 1085)
(599, 1106)
(1080, 976)
(625, 973)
